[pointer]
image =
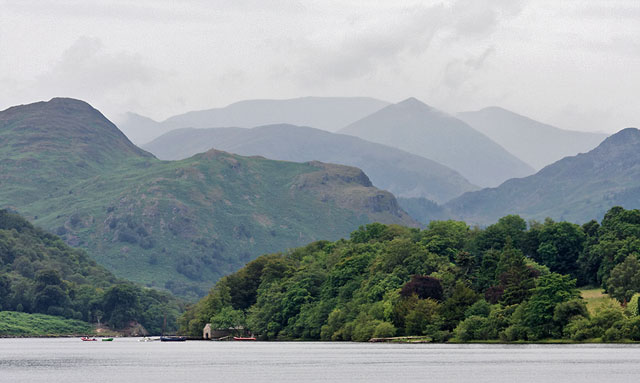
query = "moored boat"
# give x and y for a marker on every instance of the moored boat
(107, 339)
(173, 338)
(87, 339)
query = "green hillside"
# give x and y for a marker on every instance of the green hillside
(39, 273)
(448, 282)
(22, 324)
(178, 225)
(404, 174)
(575, 188)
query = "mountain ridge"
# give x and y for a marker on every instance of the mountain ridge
(574, 188)
(402, 173)
(536, 143)
(420, 129)
(325, 113)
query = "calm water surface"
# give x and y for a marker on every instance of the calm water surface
(127, 360)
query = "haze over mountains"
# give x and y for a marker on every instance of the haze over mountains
(181, 224)
(420, 129)
(576, 189)
(404, 174)
(326, 113)
(535, 143)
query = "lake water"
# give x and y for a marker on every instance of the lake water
(127, 360)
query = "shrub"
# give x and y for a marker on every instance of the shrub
(632, 328)
(580, 329)
(564, 311)
(480, 308)
(384, 330)
(632, 306)
(513, 333)
(612, 334)
(472, 328)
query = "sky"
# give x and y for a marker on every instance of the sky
(574, 64)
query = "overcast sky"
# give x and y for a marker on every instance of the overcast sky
(572, 63)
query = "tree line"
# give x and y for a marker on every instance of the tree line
(39, 273)
(510, 281)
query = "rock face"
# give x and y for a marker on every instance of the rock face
(402, 173)
(420, 129)
(178, 225)
(576, 189)
(533, 142)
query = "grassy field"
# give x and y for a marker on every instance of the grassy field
(22, 324)
(595, 298)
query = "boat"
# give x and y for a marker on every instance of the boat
(107, 339)
(146, 339)
(243, 338)
(87, 339)
(173, 338)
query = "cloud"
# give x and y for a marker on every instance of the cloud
(86, 70)
(391, 39)
(458, 72)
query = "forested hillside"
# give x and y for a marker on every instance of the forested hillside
(39, 273)
(177, 225)
(509, 282)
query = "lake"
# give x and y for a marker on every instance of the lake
(127, 360)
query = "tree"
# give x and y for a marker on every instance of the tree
(424, 287)
(624, 280)
(515, 276)
(509, 229)
(5, 291)
(228, 318)
(453, 309)
(51, 295)
(48, 277)
(422, 318)
(472, 328)
(538, 312)
(560, 244)
(120, 305)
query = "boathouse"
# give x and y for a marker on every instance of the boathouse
(206, 331)
(209, 333)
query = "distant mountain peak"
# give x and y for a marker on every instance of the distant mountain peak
(413, 102)
(625, 136)
(68, 101)
(66, 127)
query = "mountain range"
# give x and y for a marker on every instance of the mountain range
(420, 129)
(535, 143)
(326, 113)
(404, 174)
(178, 225)
(576, 189)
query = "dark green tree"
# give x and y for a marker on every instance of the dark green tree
(624, 280)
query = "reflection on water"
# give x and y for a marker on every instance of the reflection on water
(127, 360)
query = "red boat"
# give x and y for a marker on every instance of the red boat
(243, 338)
(85, 339)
